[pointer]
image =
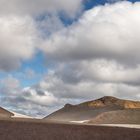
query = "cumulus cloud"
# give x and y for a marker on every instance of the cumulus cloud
(23, 106)
(26, 7)
(100, 71)
(86, 88)
(39, 96)
(30, 100)
(20, 26)
(109, 32)
(18, 37)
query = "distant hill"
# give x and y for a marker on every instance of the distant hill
(5, 113)
(96, 109)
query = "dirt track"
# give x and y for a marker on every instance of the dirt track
(35, 130)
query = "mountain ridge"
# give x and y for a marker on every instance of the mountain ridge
(110, 100)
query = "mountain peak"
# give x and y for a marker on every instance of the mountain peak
(112, 101)
(68, 105)
(108, 98)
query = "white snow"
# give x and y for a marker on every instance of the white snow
(83, 121)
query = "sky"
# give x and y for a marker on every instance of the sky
(54, 52)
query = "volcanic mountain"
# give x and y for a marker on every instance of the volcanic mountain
(104, 110)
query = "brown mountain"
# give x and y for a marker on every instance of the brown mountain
(96, 109)
(5, 113)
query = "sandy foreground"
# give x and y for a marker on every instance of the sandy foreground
(31, 129)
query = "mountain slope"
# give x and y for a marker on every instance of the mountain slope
(91, 109)
(129, 116)
(5, 113)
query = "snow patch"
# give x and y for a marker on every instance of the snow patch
(83, 121)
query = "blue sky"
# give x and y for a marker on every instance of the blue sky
(53, 53)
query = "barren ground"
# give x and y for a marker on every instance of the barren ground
(28, 129)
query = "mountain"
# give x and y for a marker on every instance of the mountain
(5, 113)
(100, 110)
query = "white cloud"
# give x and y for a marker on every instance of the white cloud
(86, 89)
(110, 32)
(99, 71)
(18, 37)
(32, 101)
(39, 97)
(36, 7)
(20, 27)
